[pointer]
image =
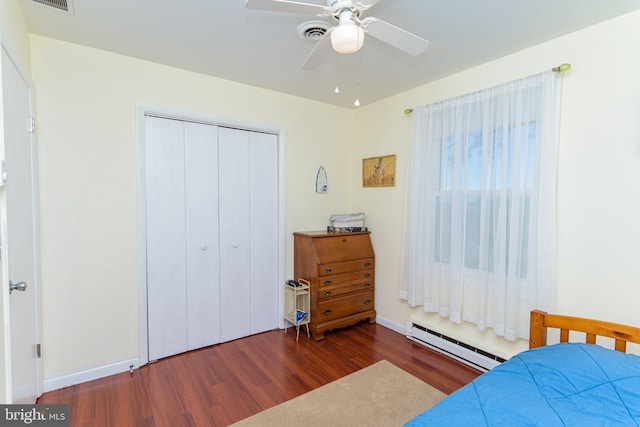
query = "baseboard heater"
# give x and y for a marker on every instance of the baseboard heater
(451, 347)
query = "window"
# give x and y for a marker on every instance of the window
(479, 229)
(476, 193)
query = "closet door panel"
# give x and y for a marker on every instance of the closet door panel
(203, 258)
(235, 259)
(264, 231)
(165, 216)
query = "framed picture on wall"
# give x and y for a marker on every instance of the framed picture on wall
(379, 171)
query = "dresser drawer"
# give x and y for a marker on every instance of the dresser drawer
(344, 288)
(345, 267)
(338, 279)
(343, 247)
(345, 305)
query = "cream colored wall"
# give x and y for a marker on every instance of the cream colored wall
(14, 36)
(598, 182)
(86, 131)
(86, 108)
(14, 31)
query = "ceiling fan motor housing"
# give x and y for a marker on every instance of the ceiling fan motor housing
(338, 7)
(348, 35)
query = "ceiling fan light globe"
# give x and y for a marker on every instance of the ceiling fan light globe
(347, 38)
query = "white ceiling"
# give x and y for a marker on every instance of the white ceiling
(223, 39)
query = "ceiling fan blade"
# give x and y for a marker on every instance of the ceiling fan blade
(287, 6)
(395, 36)
(366, 3)
(320, 50)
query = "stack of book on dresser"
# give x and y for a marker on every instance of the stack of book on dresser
(346, 223)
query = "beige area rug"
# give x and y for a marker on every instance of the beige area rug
(379, 395)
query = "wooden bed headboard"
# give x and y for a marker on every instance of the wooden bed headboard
(541, 320)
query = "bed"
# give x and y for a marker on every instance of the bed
(563, 384)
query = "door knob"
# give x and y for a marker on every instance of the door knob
(20, 286)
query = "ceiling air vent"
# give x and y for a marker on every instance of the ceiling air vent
(312, 31)
(64, 5)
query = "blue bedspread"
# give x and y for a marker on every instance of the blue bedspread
(558, 385)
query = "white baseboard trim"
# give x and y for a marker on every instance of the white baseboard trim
(90, 374)
(391, 325)
(125, 365)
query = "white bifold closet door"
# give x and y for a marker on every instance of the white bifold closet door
(211, 201)
(248, 232)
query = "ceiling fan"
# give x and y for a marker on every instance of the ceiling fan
(348, 35)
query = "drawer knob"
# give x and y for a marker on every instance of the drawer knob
(327, 293)
(327, 311)
(328, 270)
(367, 274)
(367, 285)
(327, 282)
(367, 302)
(367, 264)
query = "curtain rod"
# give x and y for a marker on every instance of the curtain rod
(559, 69)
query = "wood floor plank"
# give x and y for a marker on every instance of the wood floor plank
(222, 384)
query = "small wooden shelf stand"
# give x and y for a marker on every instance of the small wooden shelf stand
(297, 300)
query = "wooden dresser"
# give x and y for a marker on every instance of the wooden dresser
(340, 269)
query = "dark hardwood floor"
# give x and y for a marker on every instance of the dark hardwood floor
(222, 384)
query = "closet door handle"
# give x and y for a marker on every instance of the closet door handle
(20, 286)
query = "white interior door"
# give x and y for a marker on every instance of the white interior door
(182, 236)
(264, 231)
(20, 248)
(166, 240)
(235, 234)
(211, 234)
(203, 256)
(248, 232)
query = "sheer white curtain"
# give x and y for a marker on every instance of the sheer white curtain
(479, 229)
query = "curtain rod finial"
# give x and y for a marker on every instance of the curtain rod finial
(562, 68)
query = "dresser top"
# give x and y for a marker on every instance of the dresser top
(323, 233)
